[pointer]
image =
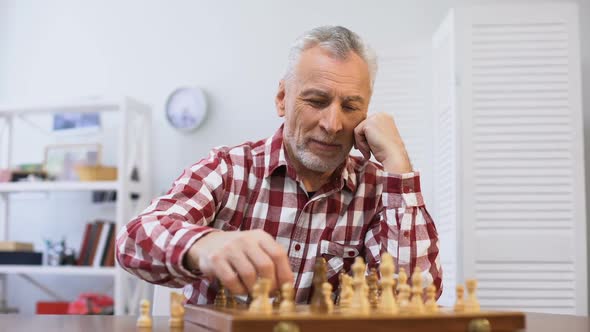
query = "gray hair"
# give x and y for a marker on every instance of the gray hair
(337, 40)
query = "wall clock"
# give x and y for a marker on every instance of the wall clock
(186, 108)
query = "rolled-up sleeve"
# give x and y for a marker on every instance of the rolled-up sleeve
(152, 246)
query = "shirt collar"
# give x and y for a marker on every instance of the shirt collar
(275, 157)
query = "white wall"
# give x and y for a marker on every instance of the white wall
(235, 50)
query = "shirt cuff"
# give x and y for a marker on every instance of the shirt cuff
(402, 188)
(181, 242)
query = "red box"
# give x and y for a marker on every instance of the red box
(52, 308)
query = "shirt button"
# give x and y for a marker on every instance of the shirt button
(351, 253)
(406, 233)
(297, 247)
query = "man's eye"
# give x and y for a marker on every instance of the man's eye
(350, 108)
(317, 103)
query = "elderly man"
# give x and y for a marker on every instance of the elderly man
(271, 208)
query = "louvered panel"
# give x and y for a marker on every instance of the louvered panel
(524, 285)
(400, 91)
(444, 154)
(523, 187)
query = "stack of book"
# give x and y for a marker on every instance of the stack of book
(19, 253)
(98, 244)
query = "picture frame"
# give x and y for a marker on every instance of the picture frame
(76, 123)
(60, 161)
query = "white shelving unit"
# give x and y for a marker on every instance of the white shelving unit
(133, 153)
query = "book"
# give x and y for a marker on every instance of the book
(101, 244)
(84, 244)
(15, 246)
(110, 246)
(20, 258)
(99, 225)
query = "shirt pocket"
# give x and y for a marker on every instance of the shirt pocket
(338, 256)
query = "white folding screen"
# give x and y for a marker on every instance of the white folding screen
(402, 89)
(446, 201)
(509, 124)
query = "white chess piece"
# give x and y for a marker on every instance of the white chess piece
(360, 301)
(144, 320)
(387, 303)
(287, 304)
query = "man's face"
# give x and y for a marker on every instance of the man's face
(322, 103)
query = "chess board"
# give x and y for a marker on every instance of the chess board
(238, 319)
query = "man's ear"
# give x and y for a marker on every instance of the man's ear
(280, 99)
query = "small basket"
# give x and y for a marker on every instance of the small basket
(5, 175)
(96, 173)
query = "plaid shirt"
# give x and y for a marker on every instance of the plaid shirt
(362, 211)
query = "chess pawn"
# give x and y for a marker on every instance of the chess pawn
(459, 303)
(403, 291)
(339, 289)
(430, 305)
(231, 301)
(256, 304)
(319, 277)
(327, 304)
(144, 320)
(372, 281)
(360, 302)
(220, 298)
(261, 303)
(287, 304)
(471, 303)
(176, 310)
(266, 303)
(387, 303)
(278, 299)
(347, 292)
(417, 302)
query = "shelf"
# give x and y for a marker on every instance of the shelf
(90, 105)
(58, 186)
(85, 106)
(61, 270)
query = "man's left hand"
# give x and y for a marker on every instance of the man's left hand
(378, 134)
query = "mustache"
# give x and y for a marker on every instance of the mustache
(327, 139)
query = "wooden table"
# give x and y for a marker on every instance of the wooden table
(47, 323)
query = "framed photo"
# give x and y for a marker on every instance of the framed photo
(77, 123)
(61, 160)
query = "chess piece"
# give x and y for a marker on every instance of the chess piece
(144, 320)
(260, 294)
(459, 303)
(430, 305)
(319, 277)
(417, 302)
(387, 303)
(403, 291)
(372, 281)
(278, 299)
(266, 304)
(231, 300)
(287, 304)
(339, 289)
(327, 305)
(176, 310)
(471, 303)
(220, 298)
(360, 302)
(347, 292)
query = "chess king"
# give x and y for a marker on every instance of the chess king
(270, 208)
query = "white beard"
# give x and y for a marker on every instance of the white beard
(312, 161)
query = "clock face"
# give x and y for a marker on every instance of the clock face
(186, 108)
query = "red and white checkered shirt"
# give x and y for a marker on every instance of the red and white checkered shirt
(362, 211)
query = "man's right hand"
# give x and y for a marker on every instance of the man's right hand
(237, 259)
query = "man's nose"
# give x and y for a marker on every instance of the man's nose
(331, 120)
